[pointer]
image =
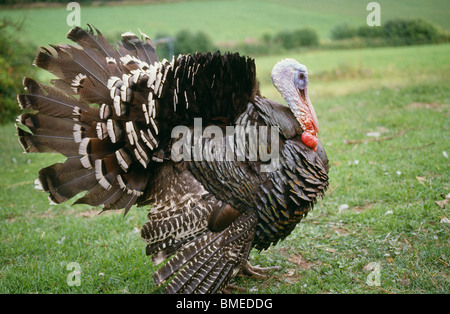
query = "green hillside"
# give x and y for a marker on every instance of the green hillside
(222, 20)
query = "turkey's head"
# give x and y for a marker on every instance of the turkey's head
(291, 79)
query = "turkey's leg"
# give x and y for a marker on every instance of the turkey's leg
(250, 270)
(257, 271)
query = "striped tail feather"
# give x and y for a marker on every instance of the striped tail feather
(207, 263)
(65, 180)
(144, 51)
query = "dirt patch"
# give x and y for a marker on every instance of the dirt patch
(53, 213)
(87, 213)
(361, 208)
(340, 231)
(433, 106)
(298, 260)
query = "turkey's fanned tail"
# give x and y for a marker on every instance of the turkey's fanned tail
(112, 111)
(79, 117)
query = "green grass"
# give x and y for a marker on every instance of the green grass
(224, 20)
(389, 182)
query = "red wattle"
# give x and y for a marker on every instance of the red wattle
(310, 140)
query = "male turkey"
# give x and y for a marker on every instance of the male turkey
(112, 112)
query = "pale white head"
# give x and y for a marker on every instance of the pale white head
(291, 79)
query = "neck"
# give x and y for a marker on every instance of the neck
(285, 86)
(291, 96)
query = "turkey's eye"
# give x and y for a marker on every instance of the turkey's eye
(301, 76)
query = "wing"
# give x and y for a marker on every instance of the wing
(280, 188)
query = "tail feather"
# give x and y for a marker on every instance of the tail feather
(65, 180)
(93, 42)
(100, 196)
(49, 100)
(49, 134)
(41, 143)
(83, 70)
(145, 51)
(76, 71)
(207, 263)
(124, 200)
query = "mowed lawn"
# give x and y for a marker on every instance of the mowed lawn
(383, 226)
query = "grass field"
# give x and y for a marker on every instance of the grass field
(223, 20)
(384, 118)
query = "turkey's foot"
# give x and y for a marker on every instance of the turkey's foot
(249, 270)
(257, 271)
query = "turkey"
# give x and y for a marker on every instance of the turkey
(222, 169)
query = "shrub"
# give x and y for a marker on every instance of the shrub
(343, 31)
(394, 32)
(15, 63)
(305, 37)
(417, 31)
(184, 42)
(366, 31)
(284, 39)
(187, 42)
